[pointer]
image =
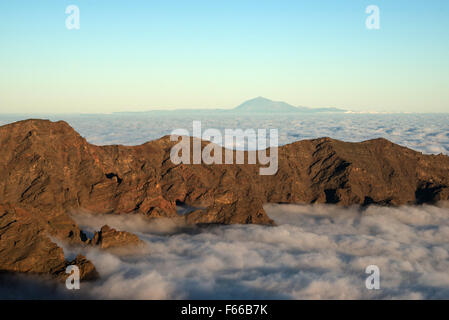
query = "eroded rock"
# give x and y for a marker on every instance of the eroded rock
(109, 238)
(47, 165)
(47, 169)
(27, 244)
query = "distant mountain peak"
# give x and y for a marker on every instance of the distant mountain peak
(261, 104)
(260, 99)
(256, 105)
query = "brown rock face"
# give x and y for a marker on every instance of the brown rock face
(108, 238)
(87, 269)
(47, 170)
(49, 166)
(26, 245)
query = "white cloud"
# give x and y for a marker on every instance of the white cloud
(315, 252)
(428, 133)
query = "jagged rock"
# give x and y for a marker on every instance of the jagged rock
(47, 170)
(48, 165)
(26, 244)
(87, 269)
(109, 238)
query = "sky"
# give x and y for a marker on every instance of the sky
(141, 55)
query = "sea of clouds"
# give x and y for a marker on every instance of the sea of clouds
(428, 133)
(315, 252)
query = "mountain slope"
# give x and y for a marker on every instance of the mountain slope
(49, 165)
(48, 170)
(261, 104)
(264, 105)
(253, 106)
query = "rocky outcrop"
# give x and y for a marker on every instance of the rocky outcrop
(47, 165)
(26, 243)
(109, 238)
(47, 169)
(87, 269)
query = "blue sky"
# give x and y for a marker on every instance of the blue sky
(140, 55)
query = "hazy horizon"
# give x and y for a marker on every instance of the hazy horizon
(227, 108)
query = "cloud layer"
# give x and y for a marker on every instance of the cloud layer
(315, 252)
(428, 133)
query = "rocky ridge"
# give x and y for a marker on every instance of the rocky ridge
(47, 170)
